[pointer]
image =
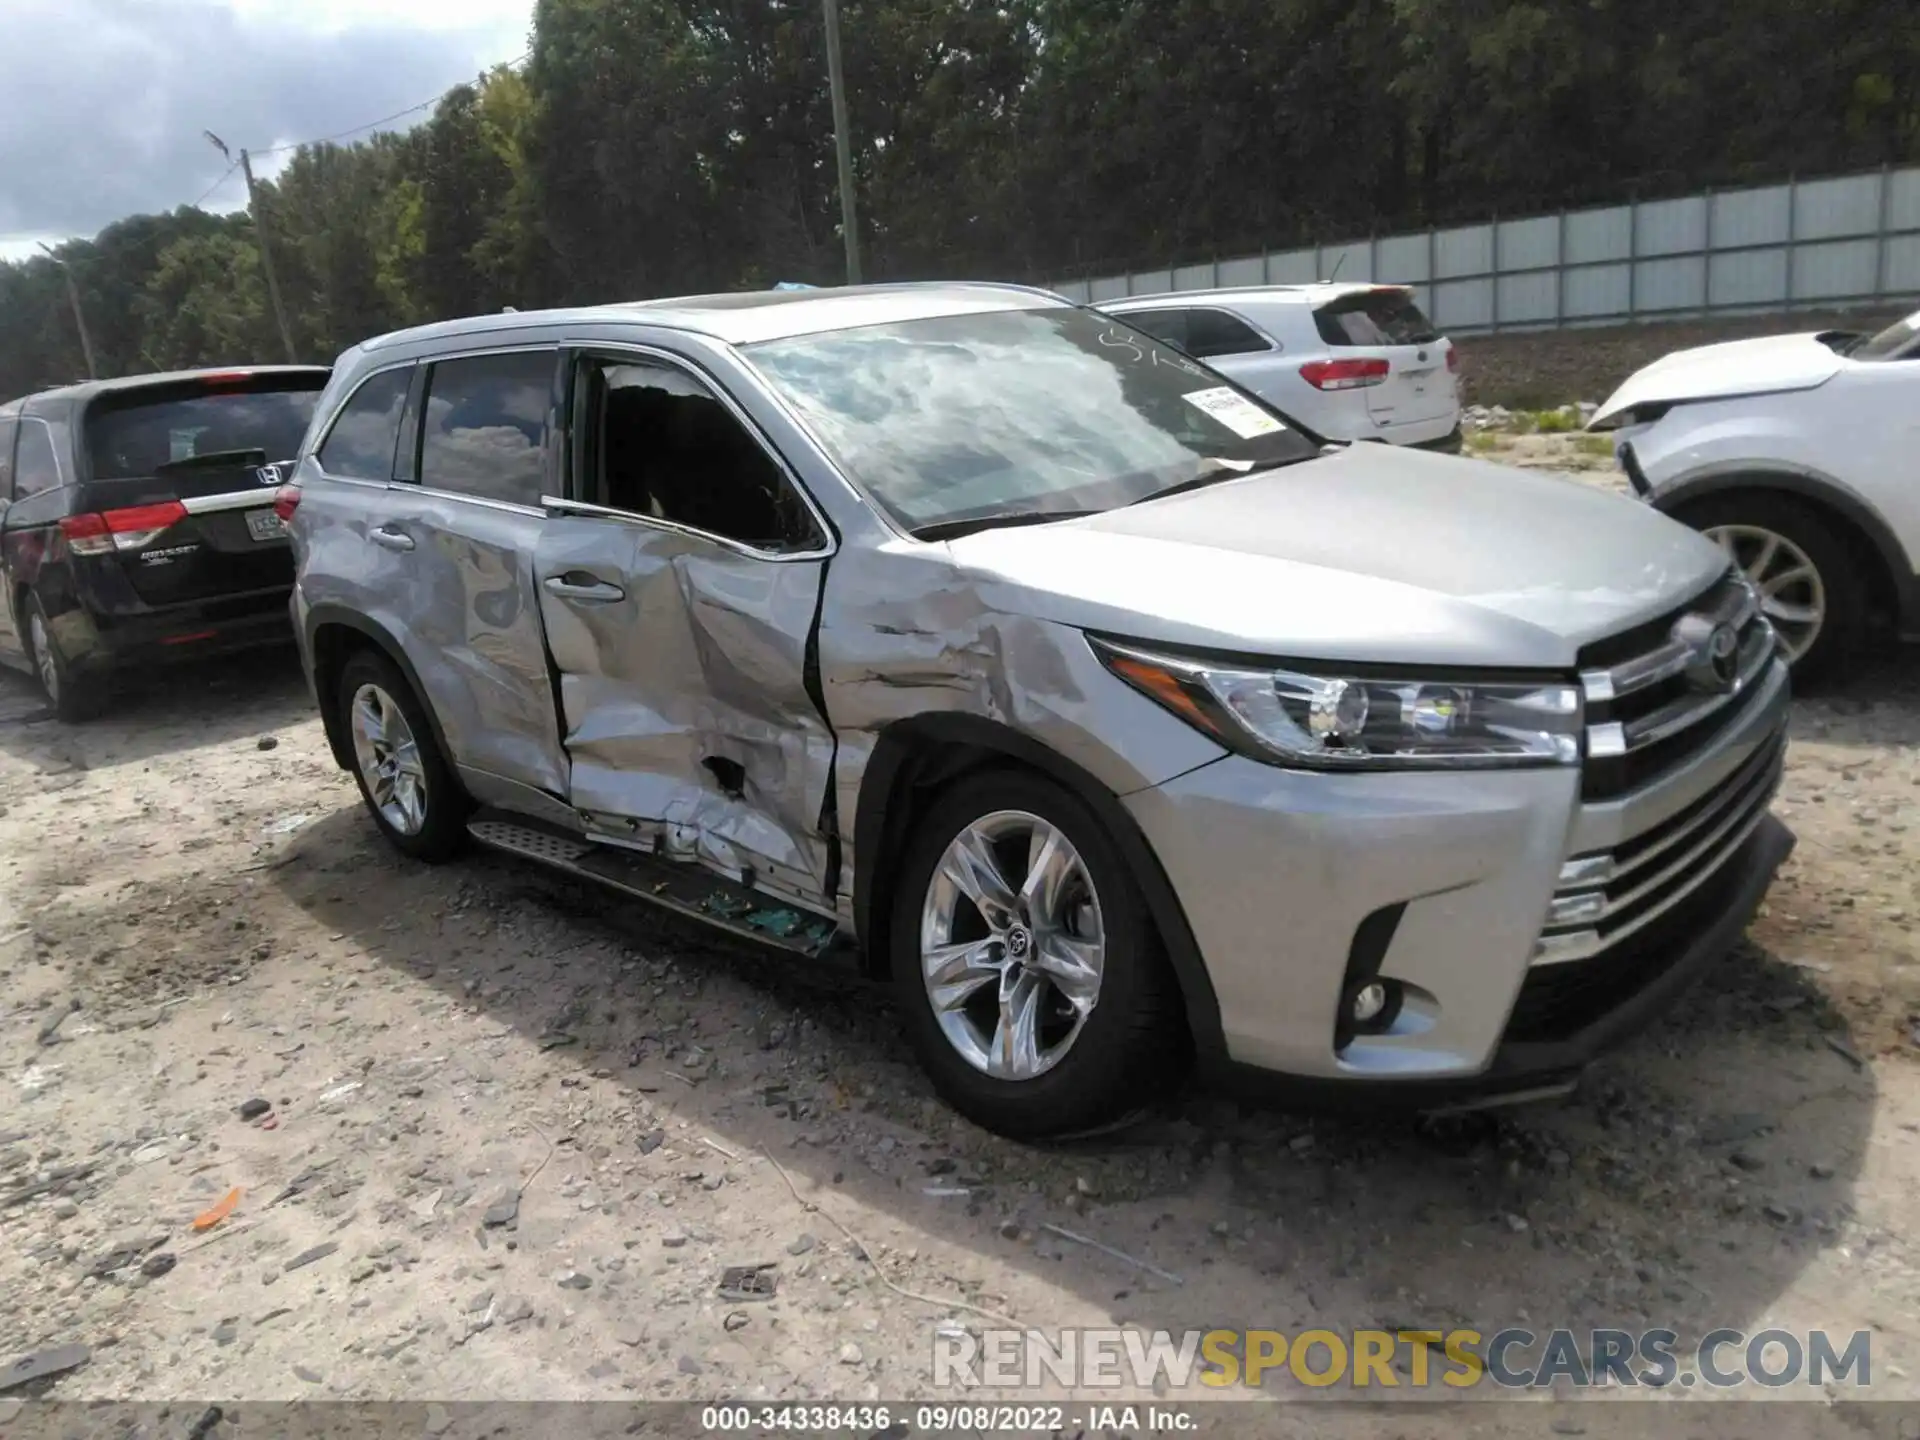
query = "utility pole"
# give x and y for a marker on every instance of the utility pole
(79, 315)
(260, 238)
(842, 143)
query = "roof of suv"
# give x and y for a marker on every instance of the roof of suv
(79, 393)
(1318, 293)
(751, 316)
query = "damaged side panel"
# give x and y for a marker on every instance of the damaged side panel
(905, 633)
(682, 667)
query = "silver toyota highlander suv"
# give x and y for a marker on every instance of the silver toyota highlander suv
(1113, 718)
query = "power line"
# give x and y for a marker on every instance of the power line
(216, 185)
(383, 120)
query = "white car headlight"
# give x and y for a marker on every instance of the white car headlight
(1329, 721)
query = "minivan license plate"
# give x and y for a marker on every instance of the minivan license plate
(266, 525)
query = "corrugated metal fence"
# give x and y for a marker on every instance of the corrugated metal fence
(1826, 244)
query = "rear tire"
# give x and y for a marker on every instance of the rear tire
(74, 697)
(1812, 585)
(1058, 1011)
(407, 784)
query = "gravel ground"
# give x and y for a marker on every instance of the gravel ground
(518, 1129)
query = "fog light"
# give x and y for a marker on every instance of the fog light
(1368, 1002)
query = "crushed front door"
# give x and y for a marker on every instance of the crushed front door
(689, 724)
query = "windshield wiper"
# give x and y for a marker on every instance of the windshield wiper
(954, 529)
(1216, 475)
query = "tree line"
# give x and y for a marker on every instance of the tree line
(652, 147)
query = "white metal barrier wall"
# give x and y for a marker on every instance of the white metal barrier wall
(1849, 241)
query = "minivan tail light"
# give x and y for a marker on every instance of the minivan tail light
(1453, 360)
(1344, 374)
(286, 500)
(124, 529)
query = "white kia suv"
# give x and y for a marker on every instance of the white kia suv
(1350, 362)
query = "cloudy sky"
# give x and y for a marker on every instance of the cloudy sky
(103, 102)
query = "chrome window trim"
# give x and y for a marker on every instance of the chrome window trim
(587, 349)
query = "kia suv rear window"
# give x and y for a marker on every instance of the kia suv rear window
(1374, 319)
(135, 434)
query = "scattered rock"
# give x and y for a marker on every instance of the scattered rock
(687, 1365)
(1746, 1160)
(311, 1376)
(1819, 1170)
(850, 1354)
(801, 1244)
(226, 1332)
(253, 1109)
(308, 1256)
(652, 1141)
(267, 742)
(503, 1211)
(157, 1265)
(572, 1280)
(674, 1239)
(736, 1320)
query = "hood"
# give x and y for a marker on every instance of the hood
(1371, 554)
(1718, 372)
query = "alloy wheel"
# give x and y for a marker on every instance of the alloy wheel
(1012, 945)
(1792, 595)
(389, 759)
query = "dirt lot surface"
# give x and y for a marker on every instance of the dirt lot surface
(518, 1129)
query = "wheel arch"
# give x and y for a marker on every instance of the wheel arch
(1892, 585)
(334, 635)
(917, 758)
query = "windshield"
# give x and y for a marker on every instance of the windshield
(1018, 413)
(1892, 343)
(136, 434)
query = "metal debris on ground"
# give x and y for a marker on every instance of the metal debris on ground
(43, 1363)
(726, 906)
(1121, 1255)
(779, 923)
(749, 1282)
(1846, 1052)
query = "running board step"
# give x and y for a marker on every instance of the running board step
(687, 890)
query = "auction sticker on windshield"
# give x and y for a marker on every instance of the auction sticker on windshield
(1235, 411)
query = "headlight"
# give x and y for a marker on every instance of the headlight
(1348, 722)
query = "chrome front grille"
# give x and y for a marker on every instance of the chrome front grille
(1678, 683)
(1605, 897)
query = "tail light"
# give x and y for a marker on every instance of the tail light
(128, 529)
(1453, 360)
(286, 500)
(1344, 374)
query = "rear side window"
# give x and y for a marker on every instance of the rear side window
(1167, 325)
(1374, 318)
(139, 434)
(8, 428)
(36, 465)
(361, 444)
(485, 425)
(1215, 332)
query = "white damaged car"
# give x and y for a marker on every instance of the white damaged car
(1800, 454)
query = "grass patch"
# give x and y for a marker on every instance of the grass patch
(1482, 442)
(1597, 445)
(1556, 422)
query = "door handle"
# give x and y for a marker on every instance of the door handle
(595, 590)
(390, 539)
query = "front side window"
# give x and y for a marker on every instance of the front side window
(1215, 332)
(361, 444)
(36, 465)
(485, 425)
(141, 434)
(1019, 413)
(660, 443)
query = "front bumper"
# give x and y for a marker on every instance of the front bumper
(1288, 881)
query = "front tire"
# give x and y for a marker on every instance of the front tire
(74, 697)
(1811, 586)
(407, 785)
(1032, 980)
